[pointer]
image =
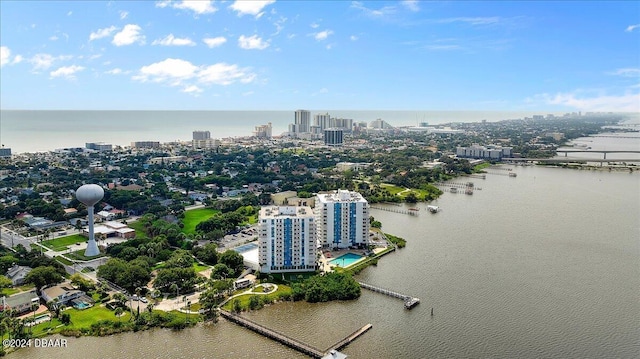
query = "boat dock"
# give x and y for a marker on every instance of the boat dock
(291, 342)
(458, 185)
(409, 301)
(272, 334)
(344, 342)
(394, 210)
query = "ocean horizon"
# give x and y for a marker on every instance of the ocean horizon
(47, 130)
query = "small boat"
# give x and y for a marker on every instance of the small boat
(512, 174)
(414, 209)
(453, 190)
(433, 209)
(468, 191)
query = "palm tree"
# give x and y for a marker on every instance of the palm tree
(119, 312)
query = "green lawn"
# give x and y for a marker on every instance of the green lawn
(79, 319)
(199, 267)
(137, 225)
(193, 217)
(244, 299)
(393, 189)
(60, 244)
(84, 318)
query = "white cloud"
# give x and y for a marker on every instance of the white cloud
(225, 74)
(107, 31)
(5, 54)
(53, 38)
(214, 41)
(279, 24)
(630, 28)
(248, 93)
(443, 47)
(314, 25)
(115, 71)
(129, 35)
(193, 89)
(322, 35)
(66, 71)
(252, 42)
(171, 40)
(253, 7)
(628, 102)
(177, 72)
(376, 13)
(18, 59)
(44, 61)
(123, 14)
(197, 6)
(471, 20)
(172, 71)
(627, 72)
(70, 13)
(412, 5)
(353, 38)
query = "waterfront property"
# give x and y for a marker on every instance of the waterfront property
(346, 260)
(287, 239)
(342, 219)
(21, 302)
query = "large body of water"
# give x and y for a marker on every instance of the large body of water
(543, 265)
(39, 131)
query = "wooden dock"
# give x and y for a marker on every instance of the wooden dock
(344, 342)
(291, 342)
(394, 210)
(409, 301)
(272, 334)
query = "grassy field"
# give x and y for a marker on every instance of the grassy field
(244, 299)
(62, 243)
(193, 217)
(393, 189)
(79, 319)
(139, 228)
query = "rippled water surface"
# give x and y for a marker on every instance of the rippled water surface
(544, 265)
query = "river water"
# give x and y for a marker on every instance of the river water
(543, 265)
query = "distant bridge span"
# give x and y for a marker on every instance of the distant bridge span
(604, 152)
(567, 159)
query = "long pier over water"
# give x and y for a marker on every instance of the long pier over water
(291, 342)
(409, 301)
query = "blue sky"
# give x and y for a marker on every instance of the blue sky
(283, 55)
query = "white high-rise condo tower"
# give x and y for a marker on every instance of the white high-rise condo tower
(342, 219)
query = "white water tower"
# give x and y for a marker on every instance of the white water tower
(90, 194)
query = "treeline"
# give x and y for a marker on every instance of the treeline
(331, 286)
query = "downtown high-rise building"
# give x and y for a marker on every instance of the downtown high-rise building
(322, 120)
(287, 239)
(333, 137)
(342, 219)
(302, 121)
(201, 135)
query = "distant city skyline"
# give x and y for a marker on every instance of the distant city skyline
(353, 55)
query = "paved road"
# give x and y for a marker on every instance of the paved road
(11, 239)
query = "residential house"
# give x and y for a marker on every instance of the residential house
(21, 302)
(17, 274)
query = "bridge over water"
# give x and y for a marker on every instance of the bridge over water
(604, 152)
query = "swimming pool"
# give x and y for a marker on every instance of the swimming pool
(345, 260)
(82, 305)
(246, 247)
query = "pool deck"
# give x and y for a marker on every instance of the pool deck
(325, 260)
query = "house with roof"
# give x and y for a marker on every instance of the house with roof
(65, 294)
(17, 274)
(20, 303)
